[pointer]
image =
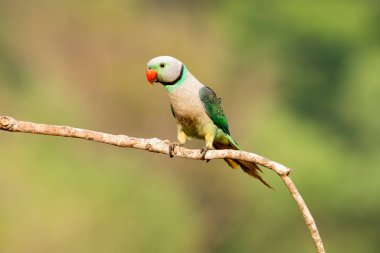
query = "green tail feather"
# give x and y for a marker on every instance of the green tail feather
(248, 167)
(232, 142)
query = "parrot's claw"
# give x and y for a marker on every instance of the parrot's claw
(172, 146)
(203, 153)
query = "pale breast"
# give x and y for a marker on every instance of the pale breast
(189, 110)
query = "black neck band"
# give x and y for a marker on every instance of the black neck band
(176, 80)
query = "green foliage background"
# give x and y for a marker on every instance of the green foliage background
(299, 82)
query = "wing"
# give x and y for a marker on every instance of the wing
(171, 108)
(212, 105)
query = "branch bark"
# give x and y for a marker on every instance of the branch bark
(162, 146)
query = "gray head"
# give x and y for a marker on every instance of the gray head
(164, 69)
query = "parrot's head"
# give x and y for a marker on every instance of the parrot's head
(164, 69)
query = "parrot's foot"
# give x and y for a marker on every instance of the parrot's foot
(203, 153)
(172, 146)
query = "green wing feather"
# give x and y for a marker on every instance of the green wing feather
(212, 105)
(171, 108)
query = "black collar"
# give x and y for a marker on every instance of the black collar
(176, 80)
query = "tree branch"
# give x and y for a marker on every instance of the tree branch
(162, 146)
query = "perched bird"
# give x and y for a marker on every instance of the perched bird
(197, 110)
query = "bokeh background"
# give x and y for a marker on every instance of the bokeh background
(300, 85)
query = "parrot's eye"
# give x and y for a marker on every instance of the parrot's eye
(162, 65)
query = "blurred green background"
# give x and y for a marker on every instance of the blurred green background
(300, 85)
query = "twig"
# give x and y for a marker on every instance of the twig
(309, 220)
(162, 146)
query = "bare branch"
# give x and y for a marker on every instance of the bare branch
(305, 212)
(162, 146)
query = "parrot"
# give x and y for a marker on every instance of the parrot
(197, 110)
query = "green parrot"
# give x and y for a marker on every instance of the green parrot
(197, 110)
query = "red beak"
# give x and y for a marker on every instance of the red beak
(151, 75)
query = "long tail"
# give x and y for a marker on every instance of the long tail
(248, 167)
